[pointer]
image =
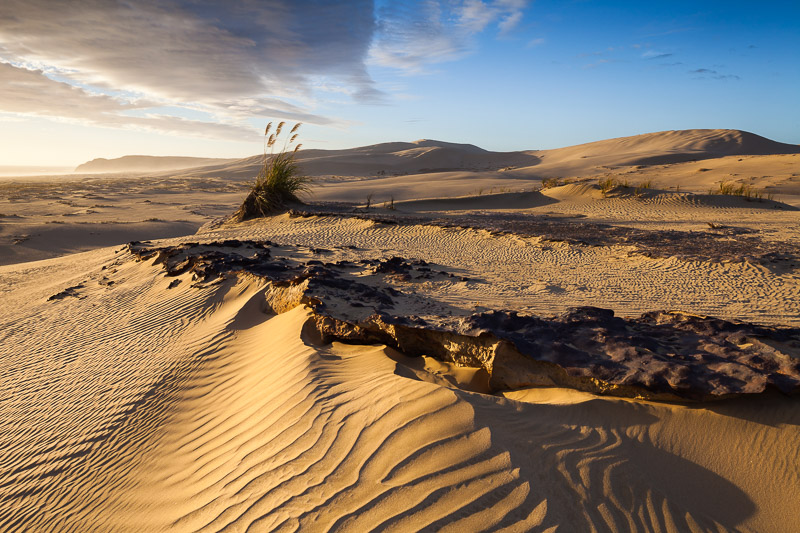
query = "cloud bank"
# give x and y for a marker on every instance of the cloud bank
(120, 64)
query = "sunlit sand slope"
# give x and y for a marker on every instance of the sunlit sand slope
(131, 406)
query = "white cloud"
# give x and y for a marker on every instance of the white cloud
(509, 22)
(476, 15)
(410, 36)
(413, 35)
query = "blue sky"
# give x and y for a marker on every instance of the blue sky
(109, 78)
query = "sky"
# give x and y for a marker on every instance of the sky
(106, 78)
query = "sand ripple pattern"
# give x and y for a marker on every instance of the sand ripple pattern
(190, 409)
(676, 211)
(544, 277)
(232, 420)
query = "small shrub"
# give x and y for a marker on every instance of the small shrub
(549, 183)
(279, 181)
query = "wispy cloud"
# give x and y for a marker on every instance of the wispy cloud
(655, 54)
(600, 62)
(412, 35)
(702, 73)
(535, 42)
(475, 15)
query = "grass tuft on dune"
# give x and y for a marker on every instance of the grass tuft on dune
(279, 181)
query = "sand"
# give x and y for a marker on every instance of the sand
(135, 400)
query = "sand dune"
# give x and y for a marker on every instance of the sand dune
(209, 412)
(673, 147)
(426, 156)
(383, 159)
(144, 391)
(426, 168)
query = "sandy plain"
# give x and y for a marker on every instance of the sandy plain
(149, 391)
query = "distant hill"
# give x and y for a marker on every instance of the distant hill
(426, 156)
(390, 158)
(146, 163)
(672, 147)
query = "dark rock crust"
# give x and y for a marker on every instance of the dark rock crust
(660, 355)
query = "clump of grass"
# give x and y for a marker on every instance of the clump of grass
(643, 186)
(389, 204)
(745, 190)
(279, 181)
(549, 183)
(608, 184)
